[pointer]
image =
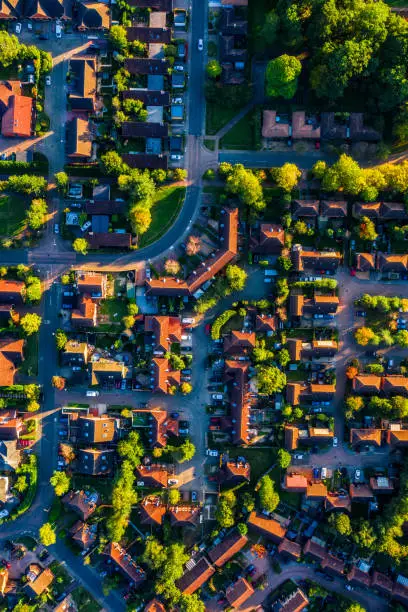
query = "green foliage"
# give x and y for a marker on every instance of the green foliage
(173, 496)
(131, 449)
(186, 451)
(61, 483)
(286, 177)
(282, 76)
(33, 289)
(213, 69)
(341, 523)
(283, 357)
(283, 458)
(242, 528)
(246, 186)
(224, 513)
(47, 534)
(26, 183)
(36, 214)
(80, 245)
(60, 339)
(30, 323)
(118, 38)
(123, 498)
(366, 230)
(268, 497)
(9, 48)
(236, 277)
(62, 180)
(112, 163)
(219, 323)
(270, 379)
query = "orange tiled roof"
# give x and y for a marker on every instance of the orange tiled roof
(166, 330)
(17, 119)
(269, 527)
(230, 545)
(292, 549)
(296, 482)
(364, 436)
(316, 490)
(236, 594)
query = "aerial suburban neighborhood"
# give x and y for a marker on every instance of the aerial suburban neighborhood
(204, 305)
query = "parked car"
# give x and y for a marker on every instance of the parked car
(200, 44)
(58, 30)
(176, 157)
(4, 514)
(178, 68)
(86, 226)
(335, 442)
(212, 453)
(56, 228)
(357, 475)
(18, 28)
(184, 431)
(172, 481)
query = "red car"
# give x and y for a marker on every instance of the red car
(352, 272)
(207, 329)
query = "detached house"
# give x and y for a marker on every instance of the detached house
(303, 259)
(195, 577)
(268, 239)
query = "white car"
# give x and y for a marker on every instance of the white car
(179, 68)
(4, 514)
(48, 80)
(172, 481)
(357, 475)
(200, 44)
(177, 101)
(86, 226)
(335, 442)
(175, 157)
(212, 453)
(58, 30)
(18, 28)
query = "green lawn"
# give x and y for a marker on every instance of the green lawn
(84, 601)
(241, 136)
(217, 116)
(12, 215)
(112, 307)
(210, 144)
(260, 459)
(165, 210)
(30, 363)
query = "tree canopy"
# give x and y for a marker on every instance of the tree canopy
(282, 76)
(270, 379)
(268, 497)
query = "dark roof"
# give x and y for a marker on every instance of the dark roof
(148, 97)
(360, 132)
(110, 239)
(230, 24)
(159, 5)
(79, 138)
(105, 207)
(146, 161)
(176, 143)
(133, 129)
(94, 462)
(83, 83)
(192, 579)
(330, 129)
(43, 9)
(149, 35)
(146, 66)
(92, 15)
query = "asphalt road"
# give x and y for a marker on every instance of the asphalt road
(269, 159)
(198, 28)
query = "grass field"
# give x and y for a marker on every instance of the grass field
(12, 215)
(165, 210)
(260, 459)
(241, 136)
(217, 116)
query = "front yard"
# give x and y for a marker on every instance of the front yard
(166, 207)
(12, 215)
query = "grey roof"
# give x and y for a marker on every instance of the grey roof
(100, 223)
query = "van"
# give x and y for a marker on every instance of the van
(92, 393)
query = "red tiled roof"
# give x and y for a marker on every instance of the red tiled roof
(236, 594)
(360, 491)
(164, 377)
(316, 490)
(365, 436)
(382, 582)
(316, 550)
(165, 329)
(296, 483)
(269, 527)
(194, 578)
(356, 576)
(18, 117)
(291, 437)
(181, 515)
(291, 549)
(125, 562)
(155, 606)
(152, 475)
(266, 323)
(239, 342)
(333, 564)
(152, 511)
(223, 552)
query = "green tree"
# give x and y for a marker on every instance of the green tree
(354, 403)
(242, 528)
(402, 338)
(123, 498)
(128, 321)
(400, 406)
(186, 388)
(47, 534)
(61, 339)
(26, 183)
(213, 69)
(173, 496)
(80, 245)
(33, 406)
(186, 451)
(284, 264)
(282, 76)
(30, 323)
(224, 513)
(131, 448)
(341, 523)
(270, 379)
(33, 291)
(140, 218)
(191, 603)
(287, 176)
(364, 335)
(284, 458)
(118, 38)
(355, 607)
(366, 230)
(269, 30)
(319, 169)
(154, 555)
(283, 357)
(179, 174)
(246, 186)
(21, 484)
(61, 483)
(62, 181)
(248, 501)
(9, 48)
(365, 536)
(112, 163)
(268, 497)
(236, 277)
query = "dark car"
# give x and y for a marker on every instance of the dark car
(174, 415)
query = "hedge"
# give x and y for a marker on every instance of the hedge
(31, 469)
(19, 167)
(220, 322)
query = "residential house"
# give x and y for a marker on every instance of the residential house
(273, 127)
(12, 292)
(300, 306)
(91, 15)
(381, 485)
(164, 330)
(160, 424)
(356, 577)
(38, 580)
(154, 605)
(93, 285)
(270, 528)
(290, 550)
(9, 455)
(184, 516)
(333, 209)
(239, 343)
(360, 493)
(163, 378)
(79, 140)
(146, 66)
(209, 268)
(10, 425)
(112, 240)
(152, 476)
(304, 129)
(337, 502)
(295, 602)
(236, 594)
(314, 260)
(400, 593)
(126, 564)
(194, 578)
(291, 437)
(305, 209)
(152, 511)
(315, 549)
(365, 262)
(18, 119)
(295, 483)
(83, 84)
(392, 264)
(367, 384)
(382, 583)
(83, 534)
(86, 313)
(353, 129)
(332, 565)
(75, 354)
(83, 503)
(140, 129)
(235, 472)
(380, 211)
(95, 429)
(148, 97)
(395, 385)
(94, 462)
(143, 160)
(149, 34)
(267, 324)
(364, 437)
(108, 372)
(11, 356)
(269, 239)
(232, 43)
(236, 378)
(228, 548)
(316, 491)
(397, 437)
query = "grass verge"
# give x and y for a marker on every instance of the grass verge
(165, 210)
(217, 116)
(210, 144)
(12, 215)
(84, 601)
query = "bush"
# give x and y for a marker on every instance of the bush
(220, 322)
